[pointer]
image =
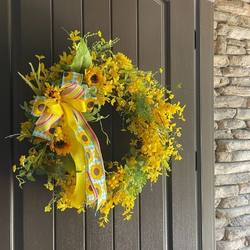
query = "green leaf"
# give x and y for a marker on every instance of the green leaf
(142, 108)
(36, 90)
(30, 177)
(82, 59)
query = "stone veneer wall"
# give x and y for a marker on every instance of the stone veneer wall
(232, 123)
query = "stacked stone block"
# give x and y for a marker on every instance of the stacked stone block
(232, 123)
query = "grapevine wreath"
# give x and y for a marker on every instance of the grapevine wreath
(68, 98)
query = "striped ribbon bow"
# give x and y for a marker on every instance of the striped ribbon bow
(90, 184)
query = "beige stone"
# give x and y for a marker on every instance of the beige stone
(234, 233)
(231, 124)
(230, 179)
(235, 91)
(235, 7)
(220, 46)
(235, 72)
(223, 134)
(243, 114)
(243, 220)
(243, 61)
(232, 167)
(241, 134)
(226, 191)
(223, 113)
(244, 188)
(231, 202)
(235, 42)
(221, 61)
(230, 102)
(232, 212)
(232, 145)
(219, 234)
(235, 50)
(220, 81)
(240, 81)
(230, 245)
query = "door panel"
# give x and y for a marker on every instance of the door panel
(154, 33)
(126, 233)
(184, 174)
(35, 39)
(70, 226)
(5, 145)
(152, 57)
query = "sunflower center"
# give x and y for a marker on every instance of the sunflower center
(90, 104)
(94, 78)
(96, 171)
(52, 130)
(41, 107)
(60, 144)
(84, 138)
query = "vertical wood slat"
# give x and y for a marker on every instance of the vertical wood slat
(35, 39)
(206, 123)
(184, 203)
(70, 226)
(67, 15)
(152, 57)
(126, 233)
(5, 113)
(16, 192)
(97, 16)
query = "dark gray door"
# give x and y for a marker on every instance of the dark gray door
(154, 33)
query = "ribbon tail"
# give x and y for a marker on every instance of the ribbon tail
(79, 195)
(95, 165)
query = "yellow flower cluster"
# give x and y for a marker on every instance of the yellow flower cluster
(146, 107)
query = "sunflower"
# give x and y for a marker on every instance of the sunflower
(89, 155)
(90, 104)
(60, 147)
(94, 76)
(123, 61)
(52, 91)
(84, 137)
(89, 188)
(99, 189)
(61, 143)
(94, 190)
(39, 106)
(96, 171)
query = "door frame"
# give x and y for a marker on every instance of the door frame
(206, 120)
(191, 60)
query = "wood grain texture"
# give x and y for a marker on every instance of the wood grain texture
(35, 39)
(152, 57)
(126, 233)
(16, 193)
(206, 124)
(184, 200)
(67, 15)
(70, 226)
(5, 113)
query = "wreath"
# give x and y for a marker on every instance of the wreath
(68, 97)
